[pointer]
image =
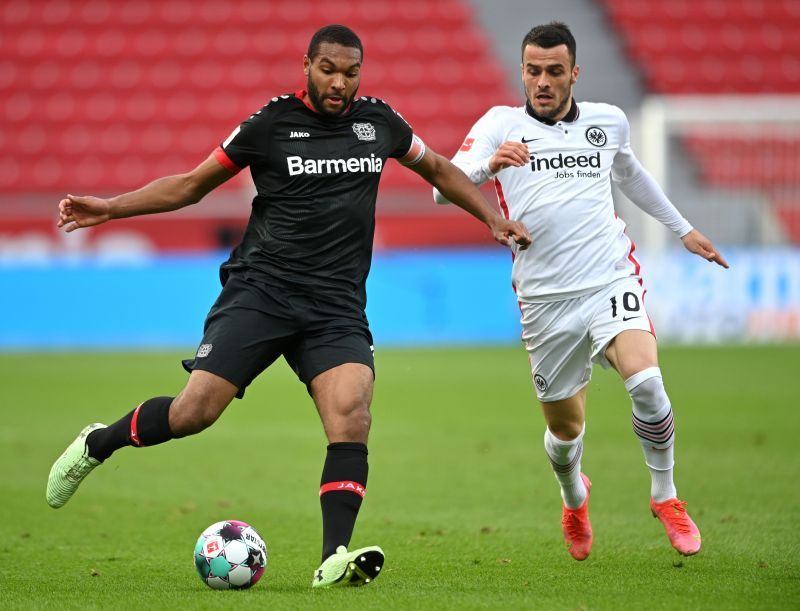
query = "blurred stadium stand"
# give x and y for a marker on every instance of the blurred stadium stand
(745, 170)
(101, 97)
(712, 46)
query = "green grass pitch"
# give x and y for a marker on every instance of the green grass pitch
(460, 493)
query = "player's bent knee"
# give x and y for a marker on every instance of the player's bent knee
(647, 391)
(358, 420)
(200, 404)
(188, 416)
(354, 425)
(567, 430)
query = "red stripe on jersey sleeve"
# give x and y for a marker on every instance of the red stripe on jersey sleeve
(415, 152)
(225, 161)
(501, 198)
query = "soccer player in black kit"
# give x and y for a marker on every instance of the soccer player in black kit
(295, 286)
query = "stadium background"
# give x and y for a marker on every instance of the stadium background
(98, 97)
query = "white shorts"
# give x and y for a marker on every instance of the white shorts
(564, 338)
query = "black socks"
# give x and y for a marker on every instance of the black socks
(342, 487)
(344, 481)
(147, 425)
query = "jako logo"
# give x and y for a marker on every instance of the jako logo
(299, 135)
(298, 165)
(565, 161)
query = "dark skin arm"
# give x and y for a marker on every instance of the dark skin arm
(161, 195)
(457, 188)
(174, 192)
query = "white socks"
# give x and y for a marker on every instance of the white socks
(653, 424)
(565, 458)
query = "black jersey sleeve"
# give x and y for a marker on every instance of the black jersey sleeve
(247, 144)
(402, 134)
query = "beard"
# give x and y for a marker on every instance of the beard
(550, 114)
(317, 100)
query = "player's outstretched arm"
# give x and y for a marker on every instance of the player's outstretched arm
(696, 242)
(162, 195)
(457, 188)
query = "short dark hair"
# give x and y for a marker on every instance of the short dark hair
(336, 34)
(551, 35)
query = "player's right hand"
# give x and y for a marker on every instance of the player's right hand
(77, 211)
(509, 154)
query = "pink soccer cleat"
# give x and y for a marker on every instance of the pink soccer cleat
(681, 530)
(576, 526)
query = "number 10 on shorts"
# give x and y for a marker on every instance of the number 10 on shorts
(631, 306)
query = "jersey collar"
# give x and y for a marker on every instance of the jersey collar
(572, 114)
(301, 95)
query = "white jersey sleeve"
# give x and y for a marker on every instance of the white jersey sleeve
(474, 154)
(563, 196)
(641, 188)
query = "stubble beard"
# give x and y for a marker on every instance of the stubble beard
(316, 99)
(551, 114)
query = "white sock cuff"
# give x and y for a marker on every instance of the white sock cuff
(551, 440)
(644, 375)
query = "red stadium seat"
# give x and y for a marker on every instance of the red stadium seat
(788, 211)
(18, 107)
(126, 91)
(74, 140)
(724, 46)
(134, 12)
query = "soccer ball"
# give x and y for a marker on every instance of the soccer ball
(230, 554)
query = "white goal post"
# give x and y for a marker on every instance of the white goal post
(663, 118)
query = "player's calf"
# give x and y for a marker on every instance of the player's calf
(654, 425)
(565, 460)
(147, 425)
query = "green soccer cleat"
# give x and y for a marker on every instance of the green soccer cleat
(72, 466)
(356, 568)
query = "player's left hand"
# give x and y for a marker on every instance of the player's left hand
(696, 242)
(510, 232)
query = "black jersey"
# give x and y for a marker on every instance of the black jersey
(316, 177)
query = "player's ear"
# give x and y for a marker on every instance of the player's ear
(575, 72)
(306, 64)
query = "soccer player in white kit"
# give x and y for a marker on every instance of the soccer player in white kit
(578, 285)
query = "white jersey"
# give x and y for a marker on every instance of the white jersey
(563, 196)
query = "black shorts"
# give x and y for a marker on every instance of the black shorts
(256, 319)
